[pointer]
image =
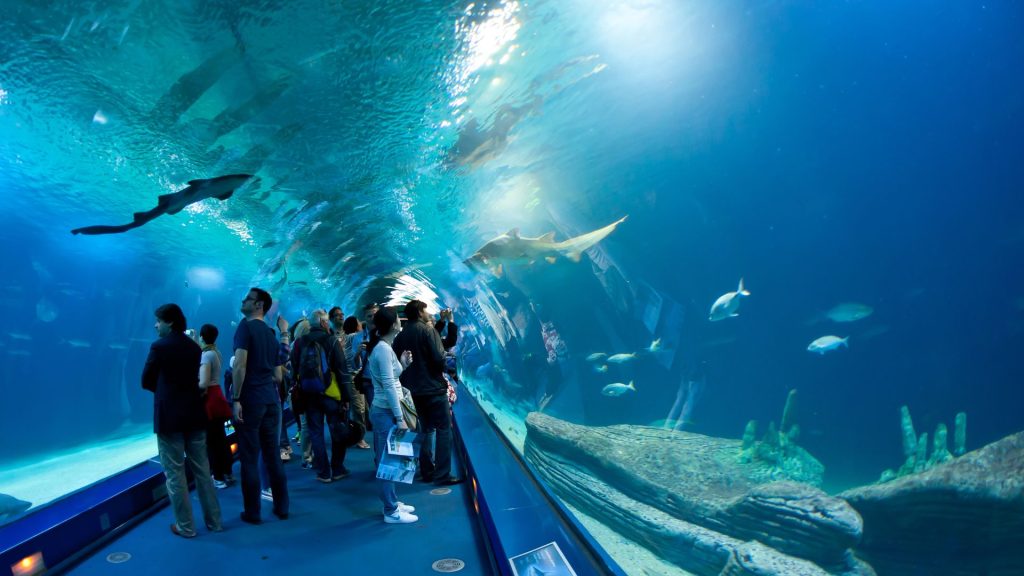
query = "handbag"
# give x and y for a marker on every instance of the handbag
(409, 410)
(217, 407)
(332, 390)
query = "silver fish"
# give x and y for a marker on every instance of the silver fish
(618, 389)
(827, 344)
(620, 358)
(849, 312)
(728, 304)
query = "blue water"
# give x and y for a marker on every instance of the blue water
(824, 152)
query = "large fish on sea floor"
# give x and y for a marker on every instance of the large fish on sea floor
(221, 188)
(11, 507)
(511, 248)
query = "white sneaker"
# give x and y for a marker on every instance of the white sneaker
(400, 517)
(267, 495)
(219, 485)
(404, 508)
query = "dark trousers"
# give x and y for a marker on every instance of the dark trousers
(218, 450)
(435, 416)
(317, 411)
(260, 434)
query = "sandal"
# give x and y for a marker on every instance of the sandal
(178, 532)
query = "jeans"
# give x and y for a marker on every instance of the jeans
(174, 448)
(316, 411)
(435, 415)
(368, 395)
(218, 450)
(383, 420)
(259, 435)
(304, 443)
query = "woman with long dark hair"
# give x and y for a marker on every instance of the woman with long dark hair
(384, 369)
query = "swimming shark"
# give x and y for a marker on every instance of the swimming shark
(511, 248)
(221, 188)
(11, 507)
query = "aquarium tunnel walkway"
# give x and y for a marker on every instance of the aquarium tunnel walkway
(121, 525)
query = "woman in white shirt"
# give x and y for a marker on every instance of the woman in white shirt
(386, 412)
(216, 440)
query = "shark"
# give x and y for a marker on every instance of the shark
(221, 188)
(511, 248)
(11, 507)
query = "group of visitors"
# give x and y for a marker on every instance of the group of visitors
(342, 376)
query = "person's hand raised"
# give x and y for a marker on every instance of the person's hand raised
(282, 324)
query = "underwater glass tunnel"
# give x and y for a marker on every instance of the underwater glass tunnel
(738, 282)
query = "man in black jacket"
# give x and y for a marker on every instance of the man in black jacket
(320, 406)
(179, 419)
(425, 380)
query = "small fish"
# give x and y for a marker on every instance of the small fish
(827, 344)
(46, 310)
(655, 346)
(596, 356)
(19, 336)
(728, 304)
(117, 346)
(601, 369)
(849, 312)
(618, 389)
(874, 332)
(78, 343)
(620, 358)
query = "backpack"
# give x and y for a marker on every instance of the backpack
(313, 368)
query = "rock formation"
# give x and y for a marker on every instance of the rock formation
(962, 516)
(690, 498)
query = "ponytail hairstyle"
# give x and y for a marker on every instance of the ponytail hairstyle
(383, 321)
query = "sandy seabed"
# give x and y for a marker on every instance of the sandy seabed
(46, 477)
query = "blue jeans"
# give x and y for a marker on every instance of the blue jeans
(382, 422)
(259, 435)
(435, 415)
(316, 411)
